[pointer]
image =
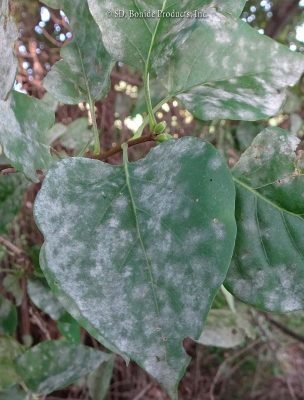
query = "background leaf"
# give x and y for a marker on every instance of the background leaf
(53, 365)
(8, 317)
(267, 268)
(8, 65)
(160, 232)
(24, 122)
(83, 74)
(9, 350)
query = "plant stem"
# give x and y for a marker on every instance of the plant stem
(95, 128)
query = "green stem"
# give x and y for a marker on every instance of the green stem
(152, 119)
(95, 128)
(146, 120)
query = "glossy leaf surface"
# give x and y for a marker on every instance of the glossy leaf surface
(138, 252)
(267, 268)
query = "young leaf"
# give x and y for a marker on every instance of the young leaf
(8, 65)
(138, 251)
(8, 317)
(236, 73)
(99, 381)
(24, 122)
(69, 328)
(267, 268)
(52, 365)
(12, 189)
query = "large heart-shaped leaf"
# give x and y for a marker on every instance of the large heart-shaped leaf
(235, 72)
(24, 122)
(267, 268)
(84, 72)
(8, 65)
(138, 251)
(52, 365)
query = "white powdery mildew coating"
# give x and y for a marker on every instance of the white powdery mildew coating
(128, 277)
(8, 65)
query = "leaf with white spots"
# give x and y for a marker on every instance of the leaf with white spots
(217, 65)
(8, 64)
(24, 122)
(83, 74)
(53, 365)
(267, 268)
(136, 253)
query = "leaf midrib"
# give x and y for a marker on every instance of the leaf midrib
(265, 199)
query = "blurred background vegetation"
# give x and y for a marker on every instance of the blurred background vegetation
(245, 354)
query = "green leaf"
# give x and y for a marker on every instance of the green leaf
(24, 122)
(56, 4)
(12, 188)
(69, 328)
(129, 39)
(41, 295)
(8, 317)
(138, 251)
(9, 350)
(267, 268)
(84, 72)
(53, 365)
(8, 65)
(235, 72)
(77, 135)
(99, 381)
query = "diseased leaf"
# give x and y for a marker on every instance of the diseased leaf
(53, 365)
(9, 350)
(267, 268)
(24, 122)
(137, 252)
(8, 317)
(217, 65)
(56, 4)
(8, 65)
(41, 295)
(83, 74)
(12, 189)
(77, 135)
